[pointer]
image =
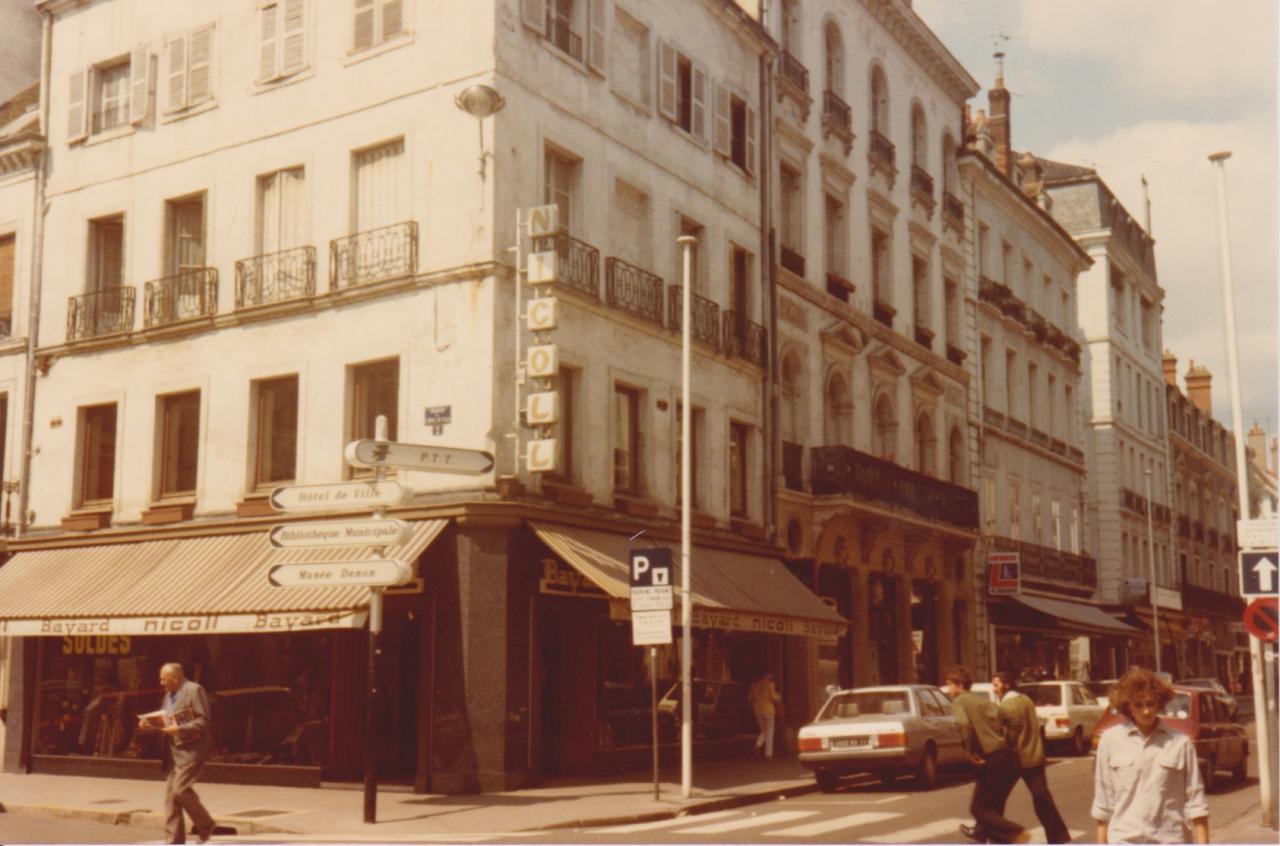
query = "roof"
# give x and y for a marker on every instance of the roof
(1055, 171)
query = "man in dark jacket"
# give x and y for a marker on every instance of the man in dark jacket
(1024, 730)
(984, 735)
(186, 746)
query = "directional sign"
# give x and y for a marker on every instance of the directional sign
(337, 496)
(1258, 573)
(651, 580)
(432, 459)
(338, 533)
(370, 572)
(1262, 618)
(1262, 533)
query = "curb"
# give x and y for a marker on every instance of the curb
(231, 826)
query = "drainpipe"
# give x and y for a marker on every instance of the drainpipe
(37, 276)
(770, 301)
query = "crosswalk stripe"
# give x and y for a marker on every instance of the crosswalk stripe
(650, 826)
(1038, 835)
(922, 833)
(749, 822)
(836, 824)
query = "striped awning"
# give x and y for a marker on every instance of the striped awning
(735, 591)
(211, 585)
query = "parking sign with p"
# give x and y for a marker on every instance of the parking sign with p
(651, 580)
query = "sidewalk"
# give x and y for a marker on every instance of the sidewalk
(337, 811)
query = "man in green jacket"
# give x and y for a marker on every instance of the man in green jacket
(1024, 730)
(984, 735)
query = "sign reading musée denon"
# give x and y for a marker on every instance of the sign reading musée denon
(265, 623)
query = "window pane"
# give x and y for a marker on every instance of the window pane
(277, 430)
(181, 443)
(99, 457)
(376, 390)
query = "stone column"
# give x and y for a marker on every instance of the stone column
(18, 721)
(860, 631)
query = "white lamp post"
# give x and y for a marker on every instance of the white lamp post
(687, 244)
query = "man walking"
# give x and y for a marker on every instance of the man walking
(764, 702)
(1024, 730)
(187, 744)
(983, 735)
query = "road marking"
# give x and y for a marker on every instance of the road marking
(749, 822)
(847, 799)
(826, 826)
(949, 827)
(650, 826)
(1038, 835)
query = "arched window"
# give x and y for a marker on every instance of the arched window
(791, 27)
(925, 441)
(790, 411)
(839, 411)
(919, 143)
(886, 426)
(835, 59)
(949, 164)
(955, 456)
(879, 101)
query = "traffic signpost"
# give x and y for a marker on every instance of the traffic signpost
(1262, 618)
(433, 459)
(651, 603)
(331, 533)
(1258, 573)
(369, 572)
(337, 496)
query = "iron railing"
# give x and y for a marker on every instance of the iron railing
(578, 263)
(953, 210)
(105, 312)
(183, 296)
(1040, 439)
(991, 417)
(562, 35)
(845, 470)
(792, 466)
(1046, 563)
(794, 72)
(276, 277)
(633, 290)
(791, 260)
(921, 181)
(705, 314)
(379, 254)
(745, 339)
(1076, 454)
(882, 147)
(838, 110)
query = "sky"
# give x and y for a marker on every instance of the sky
(1152, 87)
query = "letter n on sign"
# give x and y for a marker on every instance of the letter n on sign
(544, 221)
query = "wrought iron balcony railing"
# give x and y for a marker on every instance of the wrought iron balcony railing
(794, 71)
(793, 466)
(745, 339)
(791, 260)
(882, 148)
(844, 470)
(840, 113)
(633, 290)
(562, 35)
(183, 296)
(276, 277)
(705, 314)
(921, 181)
(1046, 563)
(105, 312)
(955, 354)
(578, 263)
(388, 252)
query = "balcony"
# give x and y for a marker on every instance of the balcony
(839, 287)
(374, 256)
(633, 290)
(924, 336)
(1211, 537)
(953, 212)
(837, 117)
(745, 339)
(704, 312)
(185, 296)
(921, 181)
(1043, 563)
(842, 470)
(991, 417)
(105, 312)
(791, 260)
(955, 355)
(1037, 324)
(1058, 447)
(793, 466)
(1040, 439)
(578, 263)
(276, 277)
(1197, 531)
(991, 291)
(881, 152)
(1013, 307)
(1016, 427)
(1077, 454)
(793, 72)
(562, 35)
(883, 312)
(1184, 526)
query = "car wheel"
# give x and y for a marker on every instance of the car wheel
(927, 770)
(1079, 746)
(827, 781)
(1209, 774)
(1241, 770)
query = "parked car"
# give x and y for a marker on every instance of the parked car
(985, 689)
(1202, 715)
(720, 709)
(1069, 711)
(1218, 688)
(1101, 690)
(890, 731)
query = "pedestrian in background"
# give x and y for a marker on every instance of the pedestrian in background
(1024, 733)
(764, 702)
(1146, 779)
(187, 744)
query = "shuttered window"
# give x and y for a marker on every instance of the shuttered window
(376, 22)
(277, 431)
(282, 38)
(281, 210)
(107, 241)
(188, 79)
(682, 91)
(8, 269)
(382, 197)
(180, 443)
(375, 390)
(186, 234)
(98, 454)
(111, 101)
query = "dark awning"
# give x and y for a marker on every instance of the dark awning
(1090, 619)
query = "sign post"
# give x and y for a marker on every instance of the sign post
(1258, 573)
(651, 604)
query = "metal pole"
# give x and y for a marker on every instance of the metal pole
(515, 423)
(1262, 716)
(687, 243)
(653, 715)
(371, 698)
(1151, 558)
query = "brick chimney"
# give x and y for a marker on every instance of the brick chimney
(1170, 368)
(1257, 442)
(998, 124)
(1199, 390)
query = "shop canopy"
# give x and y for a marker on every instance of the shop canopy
(1089, 619)
(215, 584)
(735, 591)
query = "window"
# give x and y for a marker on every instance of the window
(1118, 298)
(834, 237)
(919, 142)
(179, 443)
(382, 187)
(834, 59)
(106, 260)
(564, 23)
(8, 271)
(920, 291)
(990, 501)
(955, 456)
(1075, 530)
(1006, 264)
(697, 272)
(281, 211)
(739, 284)
(696, 428)
(1037, 521)
(881, 281)
(632, 225)
(951, 296)
(839, 411)
(184, 241)
(1015, 511)
(739, 434)
(629, 65)
(791, 27)
(1010, 382)
(790, 415)
(886, 429)
(276, 441)
(189, 69)
(97, 454)
(1052, 398)
(375, 390)
(110, 96)
(984, 250)
(879, 102)
(734, 133)
(1033, 394)
(792, 204)
(626, 439)
(925, 441)
(682, 91)
(948, 163)
(282, 43)
(988, 369)
(567, 383)
(560, 184)
(376, 22)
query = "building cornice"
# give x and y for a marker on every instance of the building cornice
(906, 27)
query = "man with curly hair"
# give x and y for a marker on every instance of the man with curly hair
(1146, 780)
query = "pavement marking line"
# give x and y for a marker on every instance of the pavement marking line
(949, 827)
(1038, 835)
(749, 822)
(650, 826)
(826, 826)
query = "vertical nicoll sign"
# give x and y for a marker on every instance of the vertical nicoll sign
(541, 364)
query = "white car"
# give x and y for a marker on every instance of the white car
(1068, 711)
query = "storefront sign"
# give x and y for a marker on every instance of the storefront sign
(1167, 598)
(97, 645)
(562, 580)
(740, 621)
(1004, 574)
(269, 621)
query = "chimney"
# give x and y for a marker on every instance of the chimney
(1257, 441)
(999, 122)
(1170, 368)
(1032, 175)
(1199, 380)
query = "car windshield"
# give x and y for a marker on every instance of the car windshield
(1179, 707)
(1043, 694)
(879, 702)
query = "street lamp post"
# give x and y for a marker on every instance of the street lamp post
(1151, 558)
(687, 244)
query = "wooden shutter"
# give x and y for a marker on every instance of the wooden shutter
(141, 83)
(750, 153)
(392, 18)
(293, 210)
(269, 213)
(698, 113)
(294, 53)
(270, 42)
(597, 34)
(380, 187)
(77, 111)
(200, 66)
(534, 15)
(363, 26)
(722, 128)
(176, 74)
(8, 265)
(666, 80)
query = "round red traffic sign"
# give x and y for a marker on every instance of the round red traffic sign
(1262, 618)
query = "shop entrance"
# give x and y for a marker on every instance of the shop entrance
(924, 630)
(567, 630)
(400, 667)
(882, 628)
(835, 657)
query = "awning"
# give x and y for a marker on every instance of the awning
(208, 585)
(735, 591)
(1171, 625)
(1076, 614)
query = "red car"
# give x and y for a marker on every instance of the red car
(1205, 717)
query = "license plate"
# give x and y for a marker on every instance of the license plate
(846, 742)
